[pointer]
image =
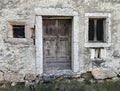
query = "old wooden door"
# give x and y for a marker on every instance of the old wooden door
(57, 44)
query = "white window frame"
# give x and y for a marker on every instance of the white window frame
(107, 36)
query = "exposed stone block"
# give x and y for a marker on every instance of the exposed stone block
(103, 73)
(13, 77)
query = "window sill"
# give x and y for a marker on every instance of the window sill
(19, 41)
(97, 45)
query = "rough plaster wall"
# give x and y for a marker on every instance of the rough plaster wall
(20, 58)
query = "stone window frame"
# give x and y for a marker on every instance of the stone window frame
(107, 42)
(28, 33)
(66, 12)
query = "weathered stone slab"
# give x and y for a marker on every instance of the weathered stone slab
(13, 77)
(103, 73)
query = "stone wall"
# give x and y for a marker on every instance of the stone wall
(18, 57)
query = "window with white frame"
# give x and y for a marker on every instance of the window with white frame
(97, 29)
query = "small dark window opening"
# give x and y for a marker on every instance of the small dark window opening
(96, 30)
(97, 53)
(18, 31)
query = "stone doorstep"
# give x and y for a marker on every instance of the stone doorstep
(60, 73)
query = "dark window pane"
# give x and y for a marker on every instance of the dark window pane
(100, 30)
(91, 29)
(18, 31)
(96, 30)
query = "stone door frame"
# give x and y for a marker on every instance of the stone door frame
(66, 12)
